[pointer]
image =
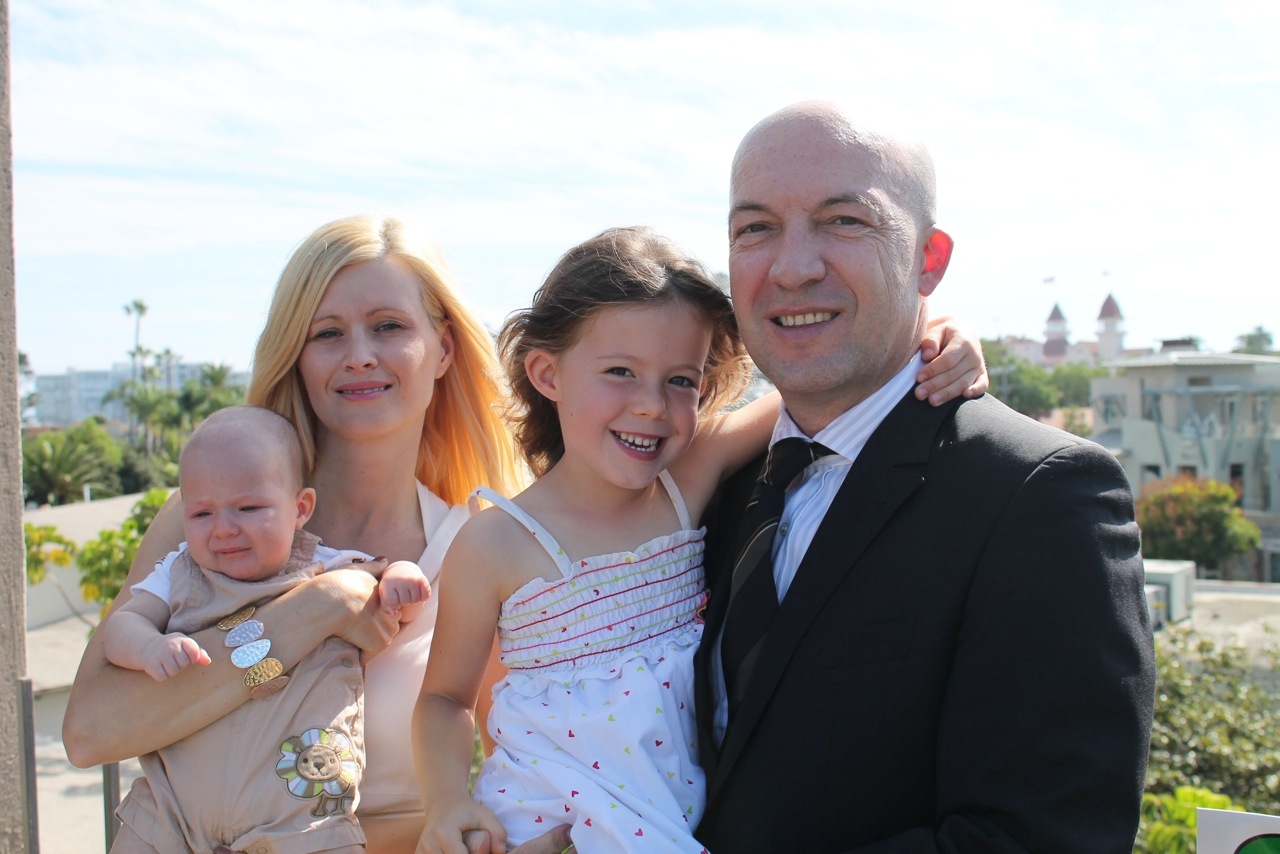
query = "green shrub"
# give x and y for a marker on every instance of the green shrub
(104, 562)
(1189, 519)
(45, 545)
(1215, 720)
(1169, 821)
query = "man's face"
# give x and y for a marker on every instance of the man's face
(825, 265)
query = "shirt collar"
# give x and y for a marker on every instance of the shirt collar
(849, 432)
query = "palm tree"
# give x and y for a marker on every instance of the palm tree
(136, 309)
(216, 393)
(147, 404)
(215, 377)
(56, 471)
(166, 360)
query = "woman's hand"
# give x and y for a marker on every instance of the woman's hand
(954, 366)
(366, 624)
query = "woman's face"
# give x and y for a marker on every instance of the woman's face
(372, 354)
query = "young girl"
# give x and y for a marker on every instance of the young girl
(593, 576)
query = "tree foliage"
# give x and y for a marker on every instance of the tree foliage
(1168, 824)
(26, 388)
(92, 433)
(1023, 386)
(1215, 721)
(56, 469)
(1072, 382)
(1257, 343)
(1076, 422)
(104, 562)
(58, 465)
(1191, 519)
(167, 415)
(45, 545)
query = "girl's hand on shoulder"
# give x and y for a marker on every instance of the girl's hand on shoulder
(954, 365)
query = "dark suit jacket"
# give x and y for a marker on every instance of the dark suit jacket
(963, 662)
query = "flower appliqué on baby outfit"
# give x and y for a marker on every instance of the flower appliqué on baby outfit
(320, 763)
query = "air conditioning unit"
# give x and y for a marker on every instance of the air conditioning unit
(1157, 604)
(1178, 578)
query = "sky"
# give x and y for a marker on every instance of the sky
(177, 152)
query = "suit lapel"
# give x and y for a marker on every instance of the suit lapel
(888, 470)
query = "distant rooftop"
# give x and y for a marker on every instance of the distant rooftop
(1193, 358)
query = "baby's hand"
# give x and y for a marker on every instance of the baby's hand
(169, 654)
(402, 585)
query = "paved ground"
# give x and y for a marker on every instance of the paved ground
(71, 812)
(1246, 613)
(71, 815)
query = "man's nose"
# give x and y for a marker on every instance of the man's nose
(799, 259)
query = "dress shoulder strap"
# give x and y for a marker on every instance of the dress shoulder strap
(673, 492)
(532, 525)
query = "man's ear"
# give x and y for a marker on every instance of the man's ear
(937, 255)
(542, 368)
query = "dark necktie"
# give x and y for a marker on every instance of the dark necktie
(753, 597)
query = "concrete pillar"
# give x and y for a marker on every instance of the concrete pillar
(16, 762)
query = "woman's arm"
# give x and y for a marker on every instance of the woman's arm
(114, 714)
(954, 366)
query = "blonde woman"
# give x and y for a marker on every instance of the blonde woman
(371, 356)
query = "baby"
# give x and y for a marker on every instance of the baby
(285, 769)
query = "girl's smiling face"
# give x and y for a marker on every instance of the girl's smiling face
(627, 390)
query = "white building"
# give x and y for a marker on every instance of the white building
(1058, 349)
(66, 399)
(1214, 416)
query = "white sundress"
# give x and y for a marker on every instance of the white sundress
(594, 723)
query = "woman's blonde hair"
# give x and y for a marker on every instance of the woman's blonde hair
(465, 442)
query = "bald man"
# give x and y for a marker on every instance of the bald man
(959, 658)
